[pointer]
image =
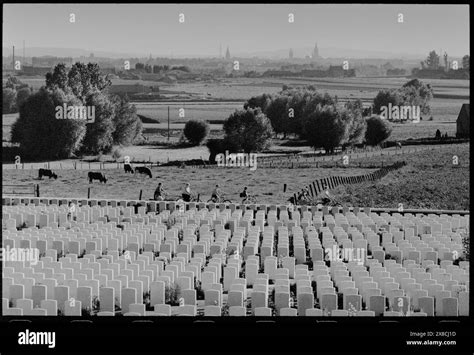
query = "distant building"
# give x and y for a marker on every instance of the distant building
(227, 54)
(315, 52)
(462, 123)
(290, 55)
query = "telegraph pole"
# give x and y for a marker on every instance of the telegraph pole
(168, 123)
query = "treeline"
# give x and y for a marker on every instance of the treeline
(156, 69)
(42, 135)
(317, 118)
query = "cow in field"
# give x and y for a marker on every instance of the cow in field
(96, 176)
(46, 172)
(128, 168)
(143, 170)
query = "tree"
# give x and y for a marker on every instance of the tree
(250, 130)
(22, 95)
(432, 61)
(417, 93)
(277, 113)
(261, 101)
(99, 135)
(127, 124)
(58, 78)
(353, 116)
(326, 127)
(40, 134)
(465, 62)
(9, 100)
(378, 130)
(438, 134)
(384, 98)
(196, 131)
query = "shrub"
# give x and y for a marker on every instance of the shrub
(196, 131)
(378, 130)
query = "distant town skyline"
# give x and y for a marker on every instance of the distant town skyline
(245, 29)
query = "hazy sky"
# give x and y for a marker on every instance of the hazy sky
(154, 28)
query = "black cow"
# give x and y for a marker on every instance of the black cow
(96, 176)
(46, 172)
(128, 168)
(143, 170)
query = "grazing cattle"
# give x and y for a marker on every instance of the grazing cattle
(128, 168)
(46, 172)
(143, 170)
(96, 176)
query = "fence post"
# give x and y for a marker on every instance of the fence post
(88, 193)
(37, 190)
(140, 197)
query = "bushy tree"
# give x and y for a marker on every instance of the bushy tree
(196, 131)
(326, 127)
(99, 135)
(21, 95)
(384, 98)
(356, 125)
(9, 100)
(115, 121)
(250, 130)
(278, 114)
(298, 100)
(378, 130)
(40, 134)
(260, 101)
(127, 124)
(417, 93)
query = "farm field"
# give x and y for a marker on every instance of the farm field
(430, 180)
(263, 183)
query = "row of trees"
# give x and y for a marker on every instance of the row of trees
(42, 136)
(316, 118)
